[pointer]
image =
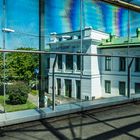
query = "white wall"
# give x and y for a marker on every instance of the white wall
(115, 75)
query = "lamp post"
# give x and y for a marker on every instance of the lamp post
(36, 72)
(42, 66)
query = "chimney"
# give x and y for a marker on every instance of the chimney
(111, 38)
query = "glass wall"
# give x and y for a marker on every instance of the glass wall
(19, 82)
(66, 52)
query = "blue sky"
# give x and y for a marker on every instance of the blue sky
(62, 16)
(21, 16)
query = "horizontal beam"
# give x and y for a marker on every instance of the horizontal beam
(123, 4)
(66, 53)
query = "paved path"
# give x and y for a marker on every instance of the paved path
(59, 99)
(117, 123)
(33, 99)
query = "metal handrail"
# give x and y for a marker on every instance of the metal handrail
(69, 53)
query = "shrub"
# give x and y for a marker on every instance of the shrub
(18, 93)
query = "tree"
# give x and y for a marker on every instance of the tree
(20, 66)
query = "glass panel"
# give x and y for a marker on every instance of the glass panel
(1, 62)
(1, 18)
(62, 21)
(88, 26)
(21, 32)
(22, 18)
(106, 17)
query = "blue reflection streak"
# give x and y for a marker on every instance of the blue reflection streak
(64, 16)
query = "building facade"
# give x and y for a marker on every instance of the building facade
(88, 77)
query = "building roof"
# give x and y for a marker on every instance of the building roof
(115, 42)
(86, 34)
(104, 40)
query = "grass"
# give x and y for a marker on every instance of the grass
(34, 92)
(12, 108)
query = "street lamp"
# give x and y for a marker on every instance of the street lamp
(7, 30)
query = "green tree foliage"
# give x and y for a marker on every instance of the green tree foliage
(20, 66)
(18, 93)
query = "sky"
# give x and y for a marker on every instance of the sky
(62, 16)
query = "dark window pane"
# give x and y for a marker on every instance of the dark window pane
(69, 62)
(59, 86)
(107, 86)
(137, 88)
(78, 62)
(68, 88)
(122, 64)
(137, 64)
(78, 89)
(108, 63)
(59, 61)
(48, 63)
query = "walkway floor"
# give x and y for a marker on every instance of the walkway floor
(117, 123)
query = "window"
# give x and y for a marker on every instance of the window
(59, 61)
(48, 63)
(78, 62)
(79, 37)
(137, 88)
(137, 64)
(69, 62)
(122, 88)
(58, 86)
(122, 65)
(107, 63)
(107, 86)
(86, 98)
(78, 89)
(68, 88)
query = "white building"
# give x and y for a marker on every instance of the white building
(114, 71)
(100, 76)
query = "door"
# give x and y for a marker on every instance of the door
(122, 88)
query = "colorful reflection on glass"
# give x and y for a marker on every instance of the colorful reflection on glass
(64, 16)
